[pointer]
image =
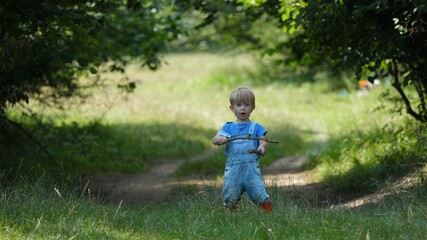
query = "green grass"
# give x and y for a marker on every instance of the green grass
(173, 114)
(38, 212)
(374, 157)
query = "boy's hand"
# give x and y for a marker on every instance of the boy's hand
(262, 147)
(219, 140)
(262, 150)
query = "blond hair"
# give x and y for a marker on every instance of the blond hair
(242, 95)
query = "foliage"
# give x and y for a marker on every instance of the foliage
(49, 44)
(229, 25)
(374, 39)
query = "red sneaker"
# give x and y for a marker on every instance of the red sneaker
(266, 206)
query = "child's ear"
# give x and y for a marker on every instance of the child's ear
(231, 107)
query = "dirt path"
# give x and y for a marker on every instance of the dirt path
(158, 184)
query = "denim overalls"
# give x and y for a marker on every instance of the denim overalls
(242, 172)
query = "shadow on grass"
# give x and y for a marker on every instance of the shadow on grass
(366, 160)
(74, 150)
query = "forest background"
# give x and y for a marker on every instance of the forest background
(78, 96)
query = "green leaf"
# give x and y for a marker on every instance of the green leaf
(93, 70)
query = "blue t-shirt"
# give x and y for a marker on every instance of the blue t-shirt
(234, 129)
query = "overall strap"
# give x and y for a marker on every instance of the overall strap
(252, 128)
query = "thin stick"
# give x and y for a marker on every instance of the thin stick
(253, 138)
(254, 151)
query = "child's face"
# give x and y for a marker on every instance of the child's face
(242, 111)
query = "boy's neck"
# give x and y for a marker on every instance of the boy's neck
(240, 121)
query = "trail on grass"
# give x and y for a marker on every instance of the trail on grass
(159, 185)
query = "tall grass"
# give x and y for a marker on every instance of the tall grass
(373, 157)
(40, 212)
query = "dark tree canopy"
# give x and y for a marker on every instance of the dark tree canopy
(51, 43)
(373, 39)
(377, 38)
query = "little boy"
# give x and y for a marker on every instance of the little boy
(242, 172)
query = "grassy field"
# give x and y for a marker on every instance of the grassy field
(38, 212)
(173, 114)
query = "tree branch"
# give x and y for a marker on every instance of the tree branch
(17, 125)
(396, 85)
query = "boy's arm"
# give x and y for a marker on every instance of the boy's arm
(219, 140)
(262, 148)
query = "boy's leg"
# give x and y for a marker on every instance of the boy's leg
(256, 189)
(230, 196)
(231, 189)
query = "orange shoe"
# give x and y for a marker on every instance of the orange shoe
(266, 206)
